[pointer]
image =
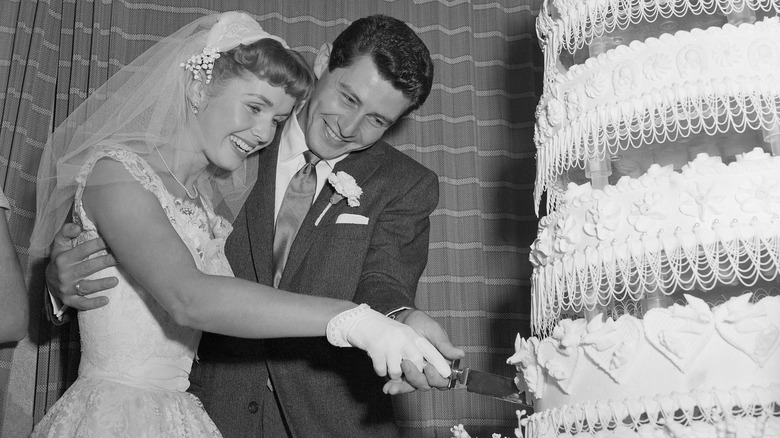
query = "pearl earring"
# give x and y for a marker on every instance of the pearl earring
(194, 108)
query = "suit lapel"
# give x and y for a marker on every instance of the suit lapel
(260, 214)
(358, 164)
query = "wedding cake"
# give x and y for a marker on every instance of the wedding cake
(655, 303)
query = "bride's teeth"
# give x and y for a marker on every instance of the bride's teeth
(240, 144)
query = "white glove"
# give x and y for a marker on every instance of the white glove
(387, 342)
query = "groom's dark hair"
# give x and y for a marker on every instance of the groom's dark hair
(398, 53)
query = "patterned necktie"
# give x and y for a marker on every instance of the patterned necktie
(295, 205)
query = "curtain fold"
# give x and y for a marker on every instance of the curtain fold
(475, 131)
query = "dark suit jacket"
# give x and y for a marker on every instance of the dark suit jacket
(323, 390)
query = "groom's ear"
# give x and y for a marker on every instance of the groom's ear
(322, 59)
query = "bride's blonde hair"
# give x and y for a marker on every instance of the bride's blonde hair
(269, 61)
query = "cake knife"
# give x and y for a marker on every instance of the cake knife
(491, 385)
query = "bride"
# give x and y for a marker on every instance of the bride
(157, 162)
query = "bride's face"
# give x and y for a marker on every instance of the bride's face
(241, 119)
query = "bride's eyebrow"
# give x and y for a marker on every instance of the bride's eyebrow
(262, 98)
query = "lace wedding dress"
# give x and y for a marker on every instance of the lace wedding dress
(136, 360)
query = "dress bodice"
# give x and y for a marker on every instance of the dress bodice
(133, 340)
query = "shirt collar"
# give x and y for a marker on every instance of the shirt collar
(293, 143)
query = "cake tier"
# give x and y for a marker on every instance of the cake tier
(572, 24)
(600, 374)
(710, 224)
(659, 90)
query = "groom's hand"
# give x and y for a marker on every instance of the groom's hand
(67, 269)
(414, 379)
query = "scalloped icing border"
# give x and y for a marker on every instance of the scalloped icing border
(582, 20)
(714, 265)
(712, 406)
(614, 102)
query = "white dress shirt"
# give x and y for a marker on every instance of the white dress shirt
(292, 145)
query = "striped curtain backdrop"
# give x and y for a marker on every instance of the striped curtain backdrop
(475, 131)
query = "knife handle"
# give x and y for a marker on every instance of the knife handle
(455, 374)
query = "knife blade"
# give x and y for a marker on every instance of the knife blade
(492, 385)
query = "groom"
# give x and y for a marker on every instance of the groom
(377, 72)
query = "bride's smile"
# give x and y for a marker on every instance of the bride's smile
(241, 119)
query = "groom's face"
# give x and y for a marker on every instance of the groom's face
(350, 109)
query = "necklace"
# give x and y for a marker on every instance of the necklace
(194, 188)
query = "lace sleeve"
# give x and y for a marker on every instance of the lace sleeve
(135, 165)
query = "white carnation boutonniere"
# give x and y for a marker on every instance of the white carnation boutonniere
(346, 187)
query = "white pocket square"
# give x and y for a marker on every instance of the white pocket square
(347, 218)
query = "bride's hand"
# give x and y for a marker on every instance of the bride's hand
(387, 342)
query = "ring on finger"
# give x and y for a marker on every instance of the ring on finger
(78, 288)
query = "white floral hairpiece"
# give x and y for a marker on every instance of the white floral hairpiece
(202, 61)
(232, 29)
